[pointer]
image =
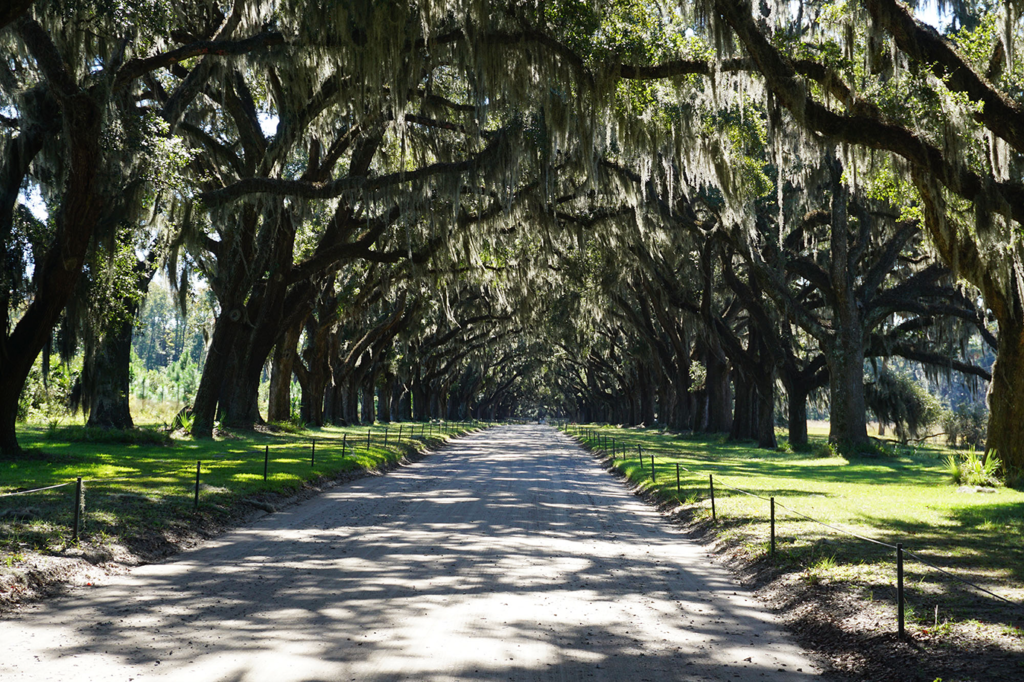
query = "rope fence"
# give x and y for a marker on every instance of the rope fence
(185, 470)
(587, 434)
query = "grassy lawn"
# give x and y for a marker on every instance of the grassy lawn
(147, 488)
(905, 497)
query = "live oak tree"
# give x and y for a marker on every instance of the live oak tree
(75, 79)
(637, 210)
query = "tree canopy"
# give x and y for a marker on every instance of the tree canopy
(632, 210)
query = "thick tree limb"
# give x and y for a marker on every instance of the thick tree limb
(134, 68)
(923, 43)
(12, 10)
(862, 129)
(335, 188)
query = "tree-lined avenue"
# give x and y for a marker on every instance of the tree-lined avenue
(510, 555)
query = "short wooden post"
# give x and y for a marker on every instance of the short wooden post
(385, 436)
(368, 430)
(344, 442)
(711, 481)
(772, 500)
(677, 478)
(901, 631)
(198, 467)
(266, 460)
(312, 453)
(78, 508)
(399, 433)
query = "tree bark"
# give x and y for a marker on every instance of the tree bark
(797, 401)
(82, 205)
(845, 354)
(204, 410)
(280, 406)
(367, 412)
(110, 382)
(744, 407)
(1006, 405)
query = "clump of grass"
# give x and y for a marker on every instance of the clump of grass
(974, 469)
(819, 571)
(824, 449)
(290, 426)
(87, 434)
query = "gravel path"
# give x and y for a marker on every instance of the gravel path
(509, 555)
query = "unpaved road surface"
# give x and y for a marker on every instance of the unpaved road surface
(510, 555)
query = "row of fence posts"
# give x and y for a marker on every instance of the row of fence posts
(446, 427)
(602, 439)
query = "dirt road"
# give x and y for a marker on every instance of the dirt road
(510, 555)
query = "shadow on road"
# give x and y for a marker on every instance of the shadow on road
(510, 555)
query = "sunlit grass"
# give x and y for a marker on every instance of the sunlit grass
(135, 488)
(904, 497)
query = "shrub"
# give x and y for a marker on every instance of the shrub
(974, 469)
(899, 400)
(824, 449)
(966, 425)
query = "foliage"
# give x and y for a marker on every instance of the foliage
(824, 449)
(47, 394)
(899, 400)
(974, 468)
(966, 425)
(165, 333)
(176, 382)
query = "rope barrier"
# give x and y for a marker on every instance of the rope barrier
(36, 490)
(843, 531)
(965, 582)
(181, 472)
(836, 528)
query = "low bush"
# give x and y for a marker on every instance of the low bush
(899, 400)
(966, 425)
(974, 469)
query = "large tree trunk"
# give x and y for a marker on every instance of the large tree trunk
(384, 400)
(765, 427)
(317, 394)
(57, 272)
(109, 385)
(845, 353)
(405, 405)
(368, 395)
(280, 407)
(797, 400)
(216, 367)
(646, 396)
(351, 389)
(420, 402)
(743, 419)
(847, 417)
(1006, 401)
(719, 398)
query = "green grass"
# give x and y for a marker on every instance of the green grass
(905, 497)
(141, 484)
